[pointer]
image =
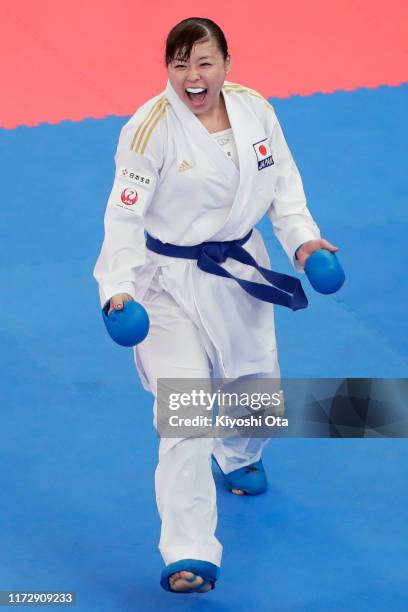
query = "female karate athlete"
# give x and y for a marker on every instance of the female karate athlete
(203, 161)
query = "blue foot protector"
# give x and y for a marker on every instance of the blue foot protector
(208, 571)
(251, 478)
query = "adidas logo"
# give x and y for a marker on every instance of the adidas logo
(184, 166)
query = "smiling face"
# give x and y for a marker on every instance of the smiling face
(203, 73)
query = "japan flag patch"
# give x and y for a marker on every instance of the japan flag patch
(263, 154)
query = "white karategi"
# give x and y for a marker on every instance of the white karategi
(174, 180)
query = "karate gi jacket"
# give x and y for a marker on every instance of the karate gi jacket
(174, 181)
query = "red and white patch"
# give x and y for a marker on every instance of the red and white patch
(132, 190)
(129, 196)
(263, 154)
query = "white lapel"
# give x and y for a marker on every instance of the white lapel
(198, 132)
(247, 130)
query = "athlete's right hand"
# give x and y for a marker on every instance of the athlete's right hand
(117, 301)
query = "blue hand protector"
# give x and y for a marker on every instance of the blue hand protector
(128, 326)
(324, 271)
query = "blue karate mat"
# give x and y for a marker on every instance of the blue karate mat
(78, 447)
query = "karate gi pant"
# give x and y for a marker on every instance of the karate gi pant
(184, 483)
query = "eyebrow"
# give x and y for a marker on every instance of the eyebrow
(199, 59)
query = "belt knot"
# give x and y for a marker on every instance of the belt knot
(217, 251)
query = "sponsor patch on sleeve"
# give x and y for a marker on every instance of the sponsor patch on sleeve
(132, 190)
(138, 178)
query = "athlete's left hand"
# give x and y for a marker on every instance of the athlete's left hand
(311, 246)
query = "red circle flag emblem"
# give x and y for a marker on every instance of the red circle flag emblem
(262, 150)
(129, 196)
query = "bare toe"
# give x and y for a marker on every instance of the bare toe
(238, 491)
(173, 578)
(205, 588)
(182, 581)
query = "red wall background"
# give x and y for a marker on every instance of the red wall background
(92, 59)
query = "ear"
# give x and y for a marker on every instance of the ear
(228, 64)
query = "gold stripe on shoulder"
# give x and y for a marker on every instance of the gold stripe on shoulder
(236, 88)
(153, 124)
(145, 129)
(144, 121)
(144, 126)
(241, 88)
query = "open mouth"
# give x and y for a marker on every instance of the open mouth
(196, 94)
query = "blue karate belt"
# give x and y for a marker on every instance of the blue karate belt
(283, 289)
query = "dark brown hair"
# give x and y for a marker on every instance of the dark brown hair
(185, 34)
